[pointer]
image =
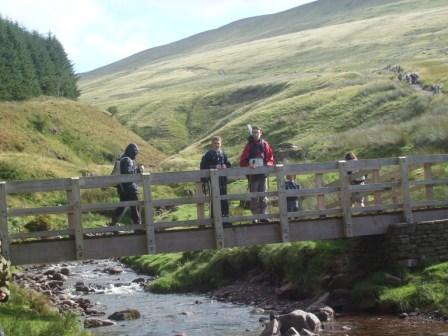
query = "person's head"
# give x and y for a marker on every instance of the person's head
(290, 177)
(216, 142)
(350, 156)
(256, 133)
(131, 151)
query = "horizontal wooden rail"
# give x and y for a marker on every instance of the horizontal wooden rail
(390, 187)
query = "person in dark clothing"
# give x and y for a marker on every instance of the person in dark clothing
(128, 191)
(293, 203)
(215, 158)
(257, 153)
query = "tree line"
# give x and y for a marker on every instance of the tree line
(32, 65)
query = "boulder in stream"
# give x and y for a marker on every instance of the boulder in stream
(125, 315)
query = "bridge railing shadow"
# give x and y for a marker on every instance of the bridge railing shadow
(402, 185)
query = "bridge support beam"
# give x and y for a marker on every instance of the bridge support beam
(405, 191)
(149, 214)
(74, 216)
(216, 205)
(4, 232)
(346, 199)
(282, 206)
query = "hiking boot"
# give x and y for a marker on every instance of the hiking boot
(265, 220)
(255, 221)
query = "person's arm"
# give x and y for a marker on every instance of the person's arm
(204, 164)
(226, 161)
(270, 161)
(244, 158)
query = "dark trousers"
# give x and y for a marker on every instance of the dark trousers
(135, 212)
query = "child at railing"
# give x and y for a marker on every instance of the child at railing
(293, 203)
(356, 179)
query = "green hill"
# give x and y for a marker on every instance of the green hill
(56, 137)
(313, 77)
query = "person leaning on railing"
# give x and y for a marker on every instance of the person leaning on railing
(257, 153)
(356, 179)
(215, 158)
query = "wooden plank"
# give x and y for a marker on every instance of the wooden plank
(108, 206)
(376, 180)
(405, 192)
(427, 171)
(431, 182)
(319, 180)
(371, 164)
(315, 213)
(4, 231)
(180, 200)
(248, 195)
(429, 203)
(89, 182)
(307, 168)
(250, 218)
(113, 228)
(216, 204)
(374, 187)
(193, 222)
(282, 206)
(346, 202)
(149, 214)
(243, 172)
(422, 159)
(313, 192)
(200, 206)
(17, 212)
(377, 208)
(16, 187)
(75, 218)
(178, 177)
(41, 234)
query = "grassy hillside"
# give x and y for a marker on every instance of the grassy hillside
(321, 86)
(50, 137)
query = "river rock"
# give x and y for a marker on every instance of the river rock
(324, 313)
(272, 328)
(287, 291)
(114, 270)
(91, 322)
(125, 315)
(300, 319)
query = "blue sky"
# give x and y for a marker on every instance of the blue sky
(98, 32)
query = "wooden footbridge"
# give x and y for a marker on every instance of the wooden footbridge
(398, 190)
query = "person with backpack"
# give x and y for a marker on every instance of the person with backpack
(128, 191)
(293, 203)
(257, 153)
(215, 158)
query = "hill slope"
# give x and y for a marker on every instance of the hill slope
(55, 137)
(322, 89)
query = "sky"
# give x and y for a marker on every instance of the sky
(95, 33)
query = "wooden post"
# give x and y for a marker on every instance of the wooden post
(405, 192)
(376, 179)
(428, 176)
(149, 214)
(346, 199)
(75, 217)
(216, 205)
(200, 207)
(319, 179)
(4, 232)
(282, 205)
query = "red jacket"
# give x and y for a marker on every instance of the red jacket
(245, 155)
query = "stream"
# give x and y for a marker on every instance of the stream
(199, 315)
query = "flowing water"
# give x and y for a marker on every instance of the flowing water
(196, 315)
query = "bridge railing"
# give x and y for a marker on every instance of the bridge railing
(393, 184)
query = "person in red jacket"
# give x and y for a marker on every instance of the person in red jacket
(257, 153)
